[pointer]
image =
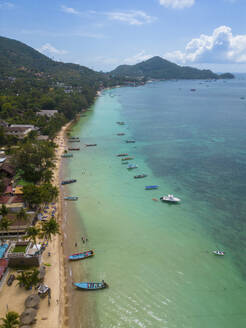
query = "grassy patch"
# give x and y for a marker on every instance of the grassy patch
(19, 249)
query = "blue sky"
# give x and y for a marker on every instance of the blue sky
(103, 34)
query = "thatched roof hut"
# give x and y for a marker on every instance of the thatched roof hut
(32, 301)
(28, 317)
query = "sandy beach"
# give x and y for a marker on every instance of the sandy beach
(12, 298)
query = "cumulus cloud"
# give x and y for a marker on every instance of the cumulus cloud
(48, 48)
(139, 57)
(69, 10)
(132, 17)
(177, 4)
(220, 47)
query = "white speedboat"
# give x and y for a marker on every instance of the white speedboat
(220, 253)
(170, 199)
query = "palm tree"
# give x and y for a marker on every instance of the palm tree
(32, 233)
(21, 216)
(28, 279)
(11, 320)
(4, 211)
(5, 223)
(49, 228)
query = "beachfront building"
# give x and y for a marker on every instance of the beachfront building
(23, 254)
(47, 112)
(20, 130)
(17, 227)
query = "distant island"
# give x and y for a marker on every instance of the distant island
(159, 68)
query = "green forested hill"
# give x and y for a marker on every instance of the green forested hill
(159, 68)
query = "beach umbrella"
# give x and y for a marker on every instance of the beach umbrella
(32, 301)
(28, 316)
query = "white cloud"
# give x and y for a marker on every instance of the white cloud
(6, 5)
(139, 57)
(69, 10)
(48, 48)
(220, 47)
(132, 17)
(177, 4)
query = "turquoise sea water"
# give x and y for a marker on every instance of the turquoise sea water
(156, 257)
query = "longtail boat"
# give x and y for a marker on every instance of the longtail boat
(68, 181)
(74, 140)
(123, 154)
(71, 198)
(90, 145)
(127, 158)
(121, 123)
(130, 141)
(139, 176)
(151, 187)
(91, 285)
(120, 134)
(67, 155)
(73, 148)
(81, 256)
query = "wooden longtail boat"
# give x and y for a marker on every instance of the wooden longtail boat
(123, 154)
(71, 198)
(151, 187)
(81, 256)
(73, 148)
(139, 176)
(130, 141)
(127, 158)
(90, 145)
(67, 155)
(68, 181)
(91, 285)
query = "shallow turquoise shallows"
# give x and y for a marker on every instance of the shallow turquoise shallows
(157, 258)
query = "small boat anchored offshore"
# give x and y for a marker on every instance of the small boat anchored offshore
(123, 154)
(127, 158)
(170, 199)
(90, 145)
(130, 141)
(220, 253)
(121, 123)
(81, 256)
(66, 155)
(120, 134)
(91, 285)
(132, 166)
(139, 176)
(151, 187)
(68, 181)
(71, 198)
